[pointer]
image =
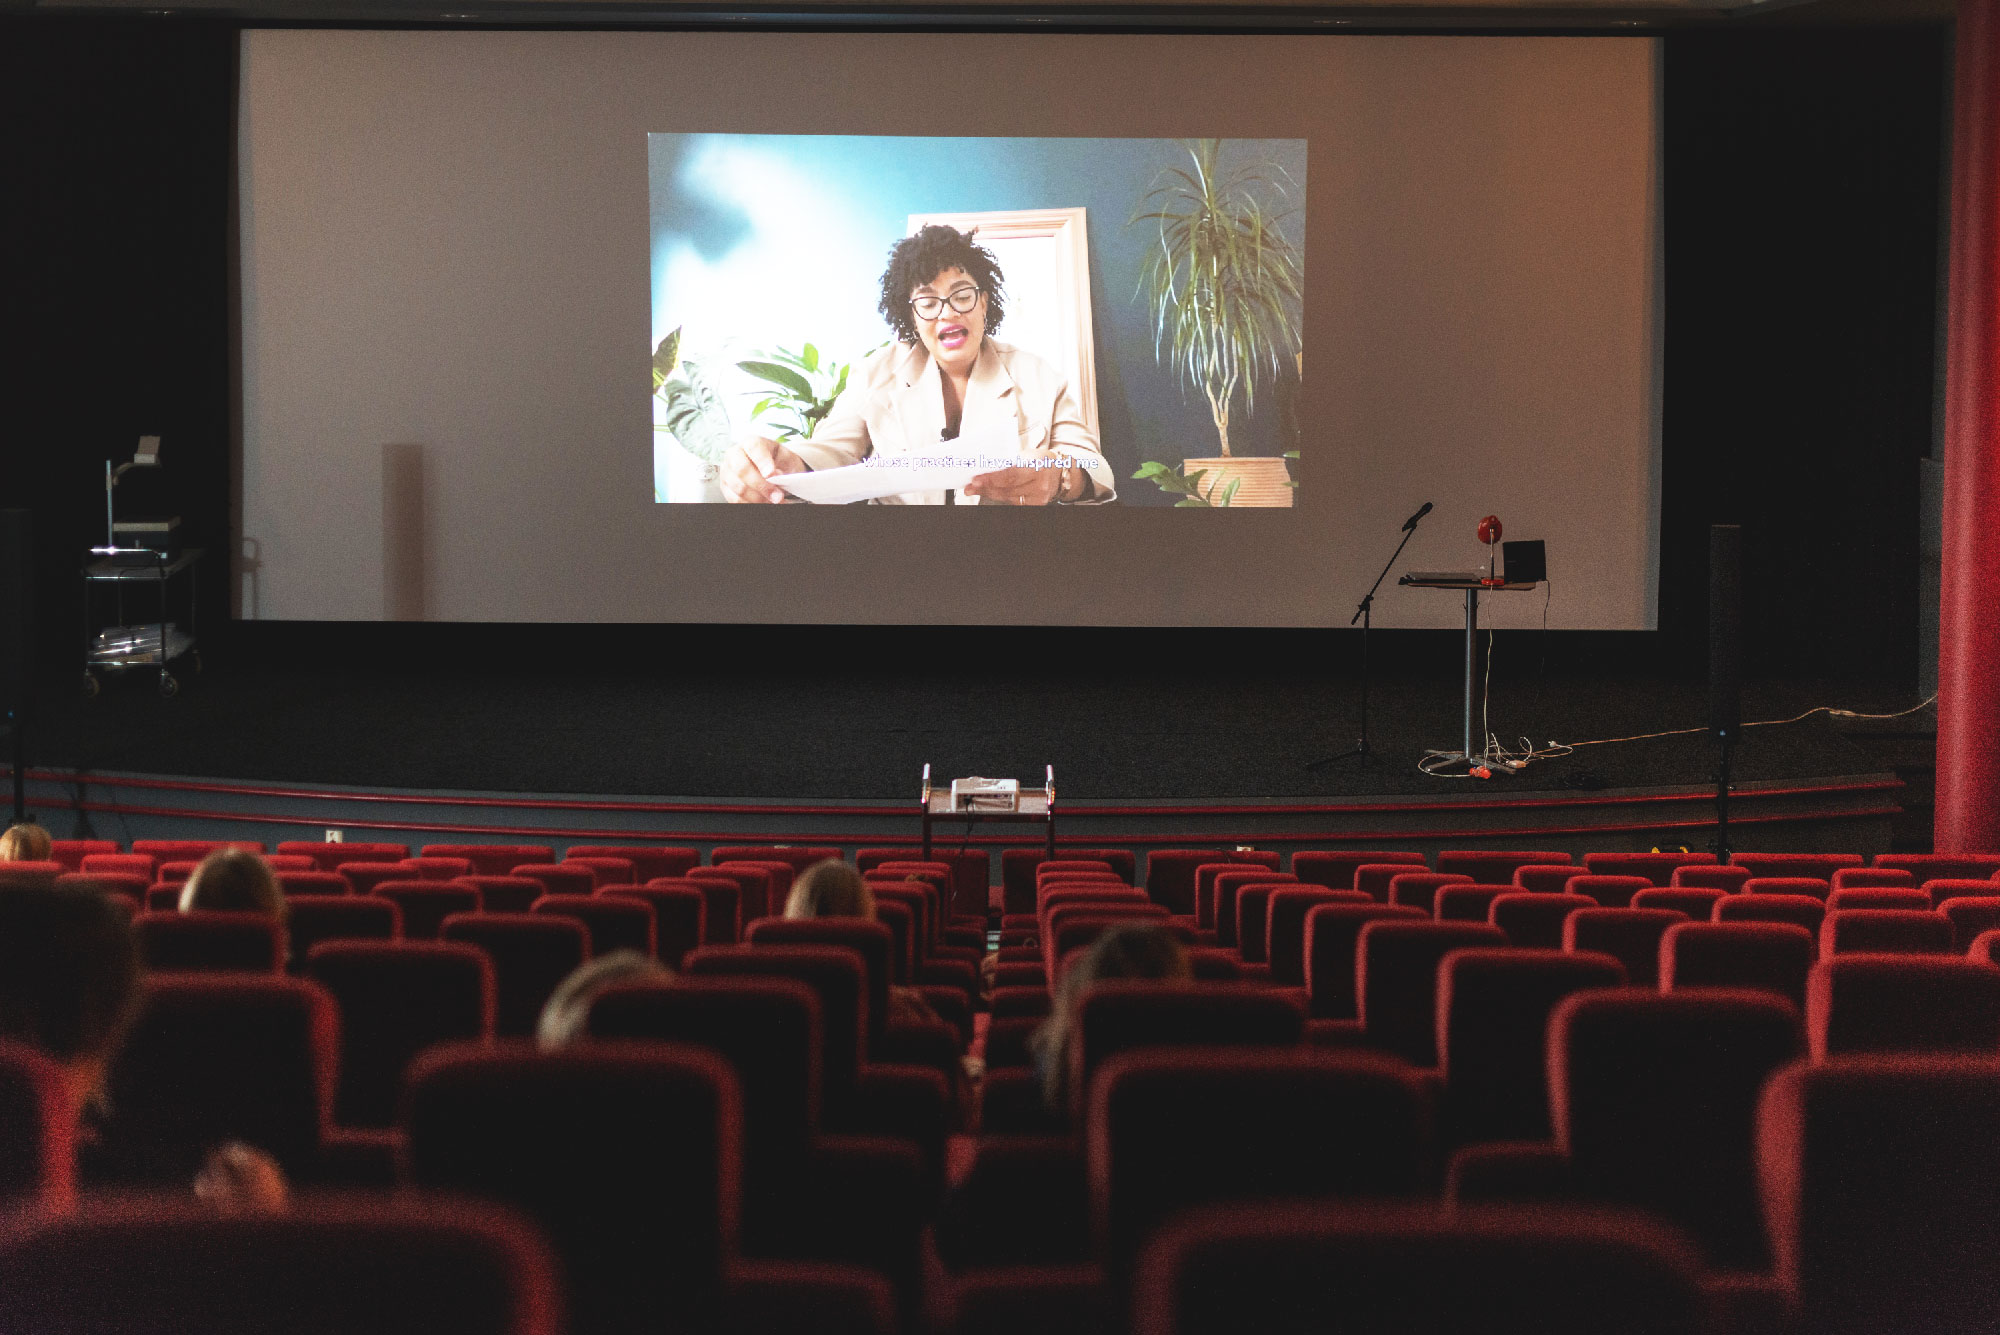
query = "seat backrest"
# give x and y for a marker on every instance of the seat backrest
(763, 886)
(1970, 916)
(1724, 878)
(125, 864)
(437, 868)
(605, 870)
(1533, 919)
(613, 924)
(1332, 934)
(1654, 1097)
(1172, 1128)
(1074, 926)
(71, 852)
(1490, 867)
(131, 889)
(1877, 897)
(1631, 936)
(1121, 1015)
(390, 1265)
(1290, 1269)
(1817, 887)
(648, 860)
(426, 904)
(218, 1057)
(492, 859)
(192, 850)
(1396, 972)
(1932, 866)
(1879, 1177)
(679, 917)
(562, 1135)
(1657, 867)
(1902, 1003)
(1800, 910)
(531, 954)
(901, 922)
(796, 856)
(322, 883)
(1373, 878)
(311, 919)
(396, 999)
(1695, 901)
(1493, 1009)
(767, 1029)
(1885, 932)
(1170, 872)
(171, 941)
(869, 940)
(1216, 884)
(722, 904)
(1943, 891)
(1868, 878)
(838, 977)
(1611, 892)
(1285, 927)
(364, 875)
(1253, 899)
(1467, 903)
(503, 894)
(1551, 878)
(37, 1130)
(1334, 868)
(1771, 956)
(1820, 866)
(556, 878)
(1418, 889)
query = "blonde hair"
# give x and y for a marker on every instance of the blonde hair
(233, 880)
(1135, 951)
(566, 1015)
(26, 842)
(830, 889)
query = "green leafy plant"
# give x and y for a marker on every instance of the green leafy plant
(804, 390)
(695, 414)
(1224, 283)
(1171, 479)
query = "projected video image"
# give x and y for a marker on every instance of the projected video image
(910, 321)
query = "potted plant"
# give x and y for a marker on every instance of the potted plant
(1226, 288)
(688, 409)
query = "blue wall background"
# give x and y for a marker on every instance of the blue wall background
(763, 240)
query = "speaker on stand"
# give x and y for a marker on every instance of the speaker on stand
(17, 625)
(1725, 662)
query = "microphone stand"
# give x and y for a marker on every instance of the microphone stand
(1361, 750)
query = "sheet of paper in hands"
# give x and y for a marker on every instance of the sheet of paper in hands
(892, 474)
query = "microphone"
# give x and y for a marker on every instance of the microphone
(1411, 523)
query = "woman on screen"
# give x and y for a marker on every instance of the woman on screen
(945, 379)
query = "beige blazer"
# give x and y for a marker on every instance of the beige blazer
(894, 404)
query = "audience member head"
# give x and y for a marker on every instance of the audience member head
(233, 880)
(566, 1015)
(1137, 951)
(69, 977)
(830, 889)
(26, 842)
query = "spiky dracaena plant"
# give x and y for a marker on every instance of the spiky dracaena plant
(1224, 283)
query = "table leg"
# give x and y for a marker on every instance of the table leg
(1471, 656)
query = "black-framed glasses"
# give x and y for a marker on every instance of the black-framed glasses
(960, 299)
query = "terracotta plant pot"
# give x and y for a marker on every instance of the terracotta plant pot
(1260, 481)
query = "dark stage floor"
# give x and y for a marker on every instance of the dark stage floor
(1113, 731)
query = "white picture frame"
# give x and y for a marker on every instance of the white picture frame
(1044, 258)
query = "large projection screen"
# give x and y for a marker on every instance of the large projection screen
(460, 251)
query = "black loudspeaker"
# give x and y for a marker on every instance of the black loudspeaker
(1725, 630)
(17, 612)
(1524, 562)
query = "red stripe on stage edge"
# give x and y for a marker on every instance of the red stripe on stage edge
(1457, 835)
(906, 808)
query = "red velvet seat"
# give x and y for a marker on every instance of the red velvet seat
(1534, 919)
(530, 953)
(1724, 878)
(1885, 932)
(1467, 903)
(1696, 902)
(1494, 867)
(1396, 979)
(1215, 894)
(1419, 889)
(1631, 936)
(175, 942)
(1654, 1097)
(1942, 866)
(722, 904)
(1285, 927)
(1493, 1016)
(1170, 872)
(168, 873)
(37, 1130)
(123, 864)
(556, 878)
(491, 859)
(364, 876)
(1817, 887)
(796, 856)
(1253, 900)
(870, 940)
(1335, 869)
(429, 868)
(396, 999)
(1551, 878)
(613, 924)
(1800, 910)
(1333, 932)
(1820, 866)
(1902, 1003)
(1659, 868)
(321, 883)
(1120, 1016)
(1299, 1269)
(426, 904)
(1970, 916)
(311, 919)
(1772, 956)
(1877, 897)
(1879, 1176)
(762, 886)
(190, 850)
(1943, 890)
(648, 860)
(393, 1265)
(1373, 878)
(131, 889)
(679, 917)
(214, 1057)
(1611, 892)
(71, 852)
(328, 856)
(1864, 878)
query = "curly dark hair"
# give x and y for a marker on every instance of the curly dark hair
(917, 259)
